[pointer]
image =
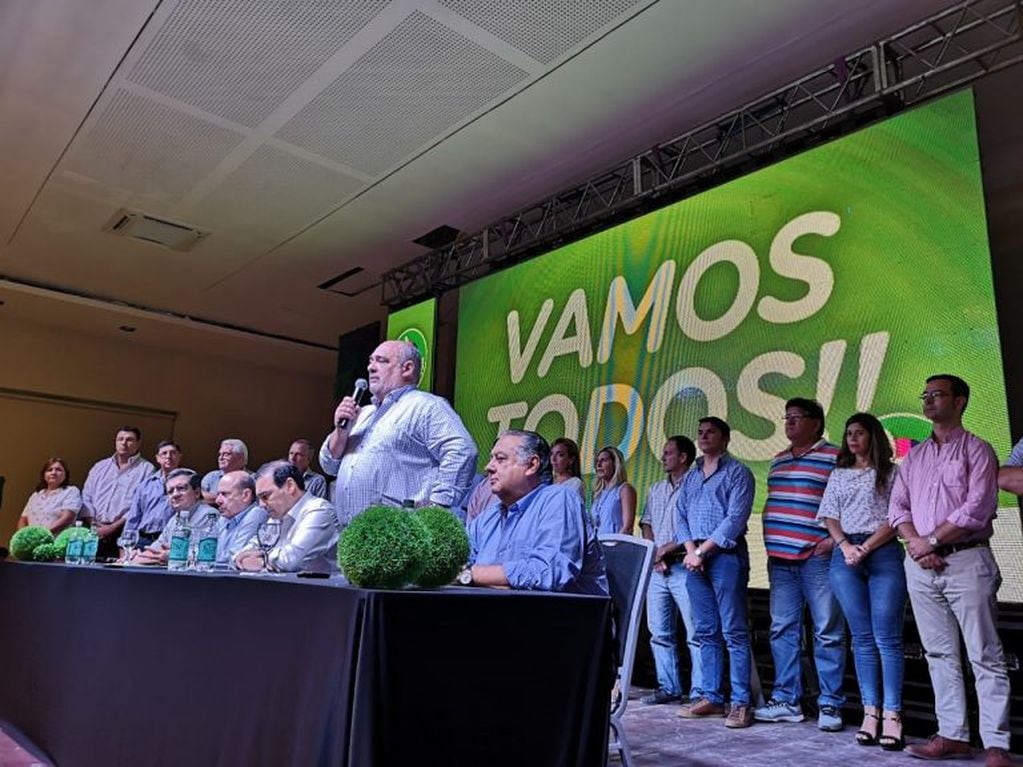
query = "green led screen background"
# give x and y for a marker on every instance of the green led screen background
(848, 273)
(417, 325)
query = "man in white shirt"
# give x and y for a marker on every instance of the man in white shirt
(110, 488)
(309, 529)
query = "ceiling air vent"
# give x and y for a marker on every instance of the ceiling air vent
(136, 225)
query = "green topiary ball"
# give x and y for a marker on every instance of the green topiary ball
(448, 549)
(65, 535)
(383, 547)
(46, 553)
(25, 541)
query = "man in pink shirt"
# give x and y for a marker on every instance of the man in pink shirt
(942, 504)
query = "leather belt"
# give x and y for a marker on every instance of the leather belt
(952, 548)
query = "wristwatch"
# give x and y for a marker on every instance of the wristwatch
(932, 540)
(698, 552)
(465, 577)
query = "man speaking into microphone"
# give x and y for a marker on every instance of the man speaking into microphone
(406, 444)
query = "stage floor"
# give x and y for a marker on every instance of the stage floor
(658, 738)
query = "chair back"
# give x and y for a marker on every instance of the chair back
(629, 562)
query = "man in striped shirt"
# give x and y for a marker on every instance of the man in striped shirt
(799, 558)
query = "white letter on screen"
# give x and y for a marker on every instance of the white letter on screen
(815, 272)
(620, 306)
(767, 406)
(612, 394)
(742, 257)
(519, 359)
(579, 344)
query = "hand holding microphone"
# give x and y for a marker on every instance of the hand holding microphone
(348, 409)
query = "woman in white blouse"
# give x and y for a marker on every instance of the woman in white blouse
(867, 574)
(55, 504)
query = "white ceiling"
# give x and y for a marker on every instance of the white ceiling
(314, 136)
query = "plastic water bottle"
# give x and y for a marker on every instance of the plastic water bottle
(73, 555)
(206, 550)
(90, 546)
(181, 542)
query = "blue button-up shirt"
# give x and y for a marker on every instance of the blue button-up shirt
(235, 533)
(717, 507)
(544, 542)
(151, 508)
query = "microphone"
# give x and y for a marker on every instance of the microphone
(360, 386)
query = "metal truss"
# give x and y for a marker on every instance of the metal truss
(941, 53)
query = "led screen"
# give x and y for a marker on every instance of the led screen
(416, 324)
(848, 273)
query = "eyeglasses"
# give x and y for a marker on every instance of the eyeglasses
(933, 395)
(795, 418)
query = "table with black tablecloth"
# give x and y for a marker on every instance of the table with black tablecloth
(113, 666)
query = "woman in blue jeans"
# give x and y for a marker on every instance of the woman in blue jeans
(867, 575)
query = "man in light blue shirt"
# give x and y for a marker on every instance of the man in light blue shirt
(407, 445)
(713, 510)
(151, 508)
(233, 455)
(536, 536)
(240, 514)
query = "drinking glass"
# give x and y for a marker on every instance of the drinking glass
(128, 541)
(267, 536)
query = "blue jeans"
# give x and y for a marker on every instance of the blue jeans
(718, 597)
(873, 598)
(666, 597)
(793, 584)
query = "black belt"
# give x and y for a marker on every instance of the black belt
(952, 548)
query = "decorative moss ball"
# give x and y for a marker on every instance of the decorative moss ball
(448, 548)
(27, 539)
(383, 547)
(66, 535)
(46, 553)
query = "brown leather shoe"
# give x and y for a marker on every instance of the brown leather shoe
(740, 716)
(941, 748)
(997, 757)
(701, 709)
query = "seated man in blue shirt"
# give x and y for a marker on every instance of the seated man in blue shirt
(537, 536)
(240, 514)
(712, 512)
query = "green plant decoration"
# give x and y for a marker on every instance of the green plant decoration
(27, 539)
(383, 547)
(448, 548)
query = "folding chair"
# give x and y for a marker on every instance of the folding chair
(629, 562)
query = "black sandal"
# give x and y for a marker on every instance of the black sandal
(890, 742)
(866, 738)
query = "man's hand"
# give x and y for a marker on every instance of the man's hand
(249, 561)
(156, 554)
(661, 567)
(693, 562)
(918, 547)
(824, 547)
(346, 408)
(931, 562)
(106, 530)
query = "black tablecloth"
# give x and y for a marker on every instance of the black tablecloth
(122, 667)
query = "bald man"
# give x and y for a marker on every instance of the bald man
(406, 444)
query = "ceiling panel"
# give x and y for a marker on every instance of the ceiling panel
(241, 58)
(416, 83)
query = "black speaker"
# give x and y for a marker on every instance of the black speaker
(353, 350)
